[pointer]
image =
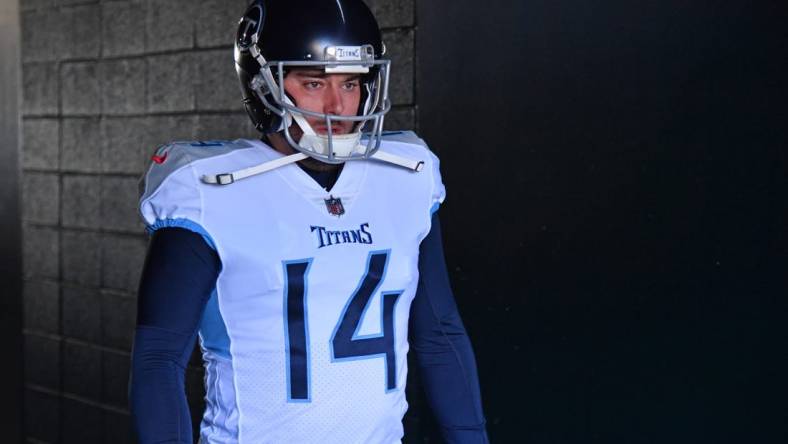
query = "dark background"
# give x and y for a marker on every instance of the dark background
(616, 213)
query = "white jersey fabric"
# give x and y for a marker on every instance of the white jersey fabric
(305, 337)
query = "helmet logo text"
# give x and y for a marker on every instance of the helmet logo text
(349, 53)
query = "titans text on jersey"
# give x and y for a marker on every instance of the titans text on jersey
(327, 238)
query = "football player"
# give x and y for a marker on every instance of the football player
(309, 262)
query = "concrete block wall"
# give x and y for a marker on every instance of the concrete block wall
(104, 84)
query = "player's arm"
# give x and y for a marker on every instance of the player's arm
(179, 274)
(443, 352)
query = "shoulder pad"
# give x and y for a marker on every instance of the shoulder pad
(177, 154)
(173, 156)
(403, 137)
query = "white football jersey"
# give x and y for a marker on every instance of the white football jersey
(305, 337)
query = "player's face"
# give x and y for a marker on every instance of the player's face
(314, 90)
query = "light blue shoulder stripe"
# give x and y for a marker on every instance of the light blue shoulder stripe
(434, 208)
(182, 223)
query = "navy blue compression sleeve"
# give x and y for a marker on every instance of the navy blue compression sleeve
(179, 274)
(442, 349)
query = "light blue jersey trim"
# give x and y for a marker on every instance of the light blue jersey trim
(434, 208)
(213, 329)
(182, 223)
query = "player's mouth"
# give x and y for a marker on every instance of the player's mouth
(335, 129)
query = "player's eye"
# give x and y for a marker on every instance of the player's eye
(351, 85)
(312, 84)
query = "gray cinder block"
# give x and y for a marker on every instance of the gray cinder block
(32, 5)
(400, 49)
(39, 88)
(401, 118)
(115, 378)
(42, 361)
(169, 25)
(40, 143)
(80, 88)
(85, 35)
(40, 198)
(216, 84)
(45, 35)
(33, 43)
(120, 203)
(81, 313)
(217, 20)
(82, 370)
(121, 24)
(81, 257)
(81, 145)
(117, 426)
(118, 317)
(225, 127)
(81, 422)
(123, 139)
(166, 129)
(42, 306)
(122, 258)
(122, 86)
(81, 204)
(393, 13)
(170, 83)
(74, 2)
(41, 252)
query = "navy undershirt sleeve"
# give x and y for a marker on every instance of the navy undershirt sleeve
(442, 349)
(178, 277)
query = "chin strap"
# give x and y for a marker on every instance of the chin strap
(413, 165)
(228, 178)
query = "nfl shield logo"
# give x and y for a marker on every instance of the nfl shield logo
(334, 206)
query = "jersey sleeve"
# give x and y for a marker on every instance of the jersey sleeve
(438, 189)
(171, 195)
(412, 145)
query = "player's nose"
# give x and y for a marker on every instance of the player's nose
(332, 101)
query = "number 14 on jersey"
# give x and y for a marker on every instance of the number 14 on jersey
(346, 344)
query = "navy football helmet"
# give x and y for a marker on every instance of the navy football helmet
(338, 36)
